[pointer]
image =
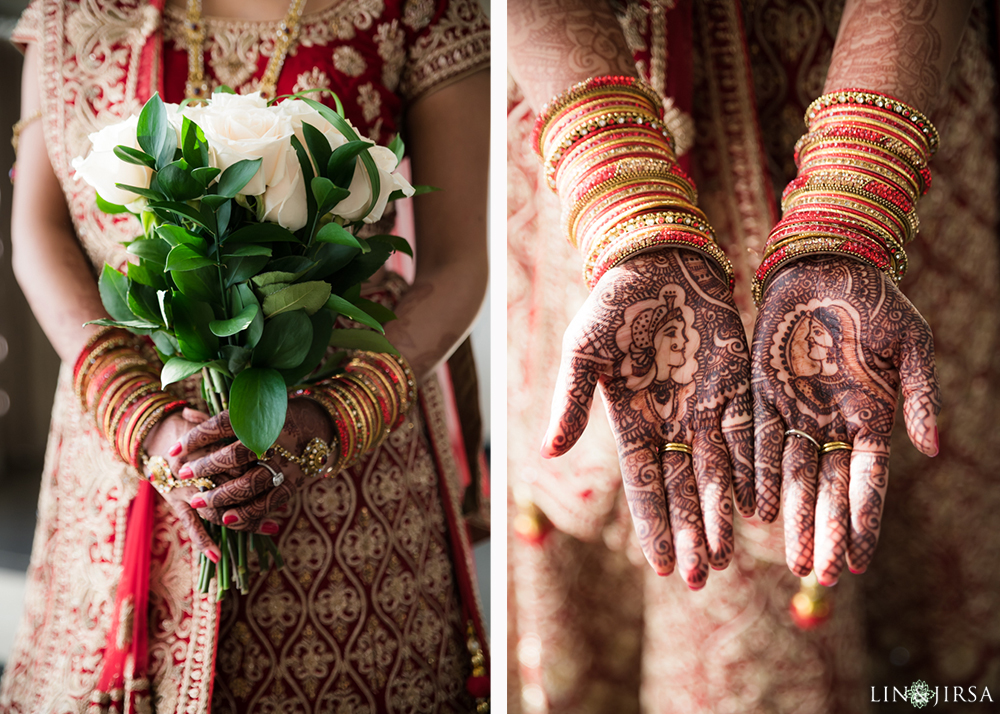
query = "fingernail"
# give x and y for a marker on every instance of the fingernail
(229, 519)
(826, 582)
(856, 572)
(185, 472)
(198, 502)
(937, 442)
(176, 449)
(269, 528)
(213, 556)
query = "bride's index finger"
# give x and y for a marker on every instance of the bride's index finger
(208, 432)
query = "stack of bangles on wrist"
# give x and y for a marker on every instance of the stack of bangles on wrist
(863, 164)
(368, 401)
(121, 389)
(610, 158)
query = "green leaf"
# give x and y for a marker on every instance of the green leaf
(184, 211)
(285, 341)
(322, 323)
(213, 201)
(225, 328)
(338, 235)
(361, 340)
(183, 257)
(237, 176)
(296, 264)
(340, 167)
(329, 259)
(178, 183)
(245, 250)
(194, 148)
(327, 195)
(352, 311)
(417, 191)
(142, 301)
(244, 296)
(318, 145)
(241, 267)
(177, 235)
(134, 156)
(307, 174)
(361, 268)
(236, 357)
(154, 250)
(191, 319)
(201, 284)
(113, 287)
(179, 368)
(273, 276)
(396, 147)
(262, 233)
(166, 344)
(376, 310)
(301, 296)
(272, 288)
(142, 274)
(148, 193)
(108, 207)
(258, 404)
(397, 243)
(139, 327)
(154, 133)
(205, 175)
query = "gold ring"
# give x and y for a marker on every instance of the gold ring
(835, 446)
(803, 435)
(675, 446)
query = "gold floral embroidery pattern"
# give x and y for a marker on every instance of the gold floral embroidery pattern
(365, 611)
(418, 14)
(349, 61)
(458, 42)
(370, 101)
(390, 39)
(314, 79)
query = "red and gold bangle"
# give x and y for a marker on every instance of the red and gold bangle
(878, 100)
(136, 447)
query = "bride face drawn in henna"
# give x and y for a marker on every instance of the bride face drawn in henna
(817, 356)
(659, 342)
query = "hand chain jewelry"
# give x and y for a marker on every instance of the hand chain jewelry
(312, 459)
(164, 481)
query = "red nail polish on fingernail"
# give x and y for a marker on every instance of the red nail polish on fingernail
(212, 556)
(269, 528)
(937, 441)
(229, 519)
(176, 449)
(198, 502)
(185, 472)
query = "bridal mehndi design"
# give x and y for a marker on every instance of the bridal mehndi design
(659, 332)
(835, 339)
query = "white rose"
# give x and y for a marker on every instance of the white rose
(299, 113)
(285, 201)
(244, 127)
(102, 169)
(353, 207)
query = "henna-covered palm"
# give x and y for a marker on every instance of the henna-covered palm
(246, 501)
(834, 341)
(661, 335)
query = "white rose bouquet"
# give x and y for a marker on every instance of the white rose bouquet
(250, 250)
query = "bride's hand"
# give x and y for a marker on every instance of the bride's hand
(661, 335)
(158, 443)
(244, 502)
(835, 341)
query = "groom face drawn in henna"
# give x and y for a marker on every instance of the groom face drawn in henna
(661, 335)
(835, 341)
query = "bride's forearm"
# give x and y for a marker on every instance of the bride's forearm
(448, 140)
(47, 259)
(900, 48)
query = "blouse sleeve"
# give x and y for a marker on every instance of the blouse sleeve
(447, 40)
(29, 26)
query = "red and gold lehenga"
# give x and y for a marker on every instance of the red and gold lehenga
(591, 628)
(371, 610)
